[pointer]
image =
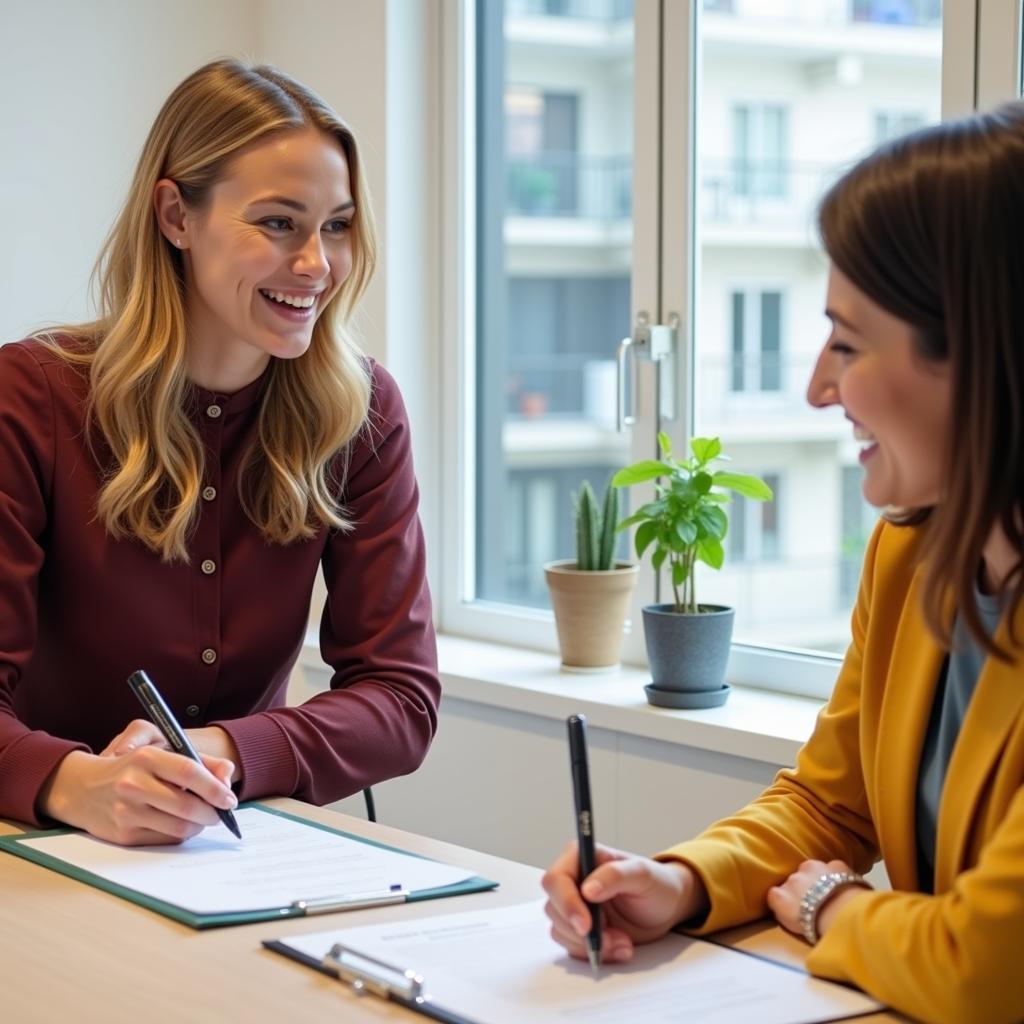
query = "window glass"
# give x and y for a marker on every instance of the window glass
(790, 94)
(554, 254)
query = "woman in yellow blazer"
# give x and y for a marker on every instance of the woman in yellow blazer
(918, 758)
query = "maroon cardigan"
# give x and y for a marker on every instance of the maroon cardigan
(79, 611)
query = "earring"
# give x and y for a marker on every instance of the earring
(177, 242)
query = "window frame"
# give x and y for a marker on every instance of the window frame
(974, 36)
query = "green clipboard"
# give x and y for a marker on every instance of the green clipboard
(14, 844)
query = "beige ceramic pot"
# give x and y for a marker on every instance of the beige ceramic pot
(590, 610)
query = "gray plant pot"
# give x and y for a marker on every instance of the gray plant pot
(687, 655)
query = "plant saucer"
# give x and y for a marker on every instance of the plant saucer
(686, 699)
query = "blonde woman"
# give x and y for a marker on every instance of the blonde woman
(176, 472)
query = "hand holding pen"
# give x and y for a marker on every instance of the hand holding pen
(577, 726)
(163, 718)
(137, 792)
(638, 898)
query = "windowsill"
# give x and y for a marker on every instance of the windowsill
(756, 724)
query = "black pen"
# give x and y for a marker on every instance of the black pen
(584, 826)
(163, 718)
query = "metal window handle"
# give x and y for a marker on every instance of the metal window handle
(623, 418)
(655, 342)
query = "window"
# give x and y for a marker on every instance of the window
(756, 340)
(554, 120)
(891, 123)
(898, 12)
(856, 523)
(658, 163)
(543, 164)
(822, 116)
(759, 151)
(754, 526)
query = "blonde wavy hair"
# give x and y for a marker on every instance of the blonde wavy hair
(134, 351)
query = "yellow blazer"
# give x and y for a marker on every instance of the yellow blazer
(957, 955)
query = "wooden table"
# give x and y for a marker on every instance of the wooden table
(69, 952)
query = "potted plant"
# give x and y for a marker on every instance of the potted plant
(532, 188)
(687, 642)
(590, 594)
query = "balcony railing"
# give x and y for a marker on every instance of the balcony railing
(763, 192)
(777, 193)
(584, 10)
(912, 13)
(562, 384)
(569, 185)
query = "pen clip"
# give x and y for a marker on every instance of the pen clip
(350, 901)
(368, 974)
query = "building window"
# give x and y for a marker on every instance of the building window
(889, 124)
(760, 146)
(561, 345)
(756, 329)
(754, 526)
(539, 527)
(541, 145)
(899, 12)
(857, 519)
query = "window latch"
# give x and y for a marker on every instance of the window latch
(656, 342)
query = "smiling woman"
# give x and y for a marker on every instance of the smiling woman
(177, 471)
(260, 267)
(897, 398)
(918, 758)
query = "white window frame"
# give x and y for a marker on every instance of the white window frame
(981, 66)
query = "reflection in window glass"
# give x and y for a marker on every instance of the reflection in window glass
(791, 93)
(554, 241)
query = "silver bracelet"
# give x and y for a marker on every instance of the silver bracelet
(818, 895)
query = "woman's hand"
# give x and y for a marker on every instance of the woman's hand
(211, 742)
(642, 900)
(136, 734)
(784, 900)
(145, 796)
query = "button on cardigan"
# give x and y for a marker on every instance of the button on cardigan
(80, 611)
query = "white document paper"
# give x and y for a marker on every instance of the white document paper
(502, 967)
(278, 860)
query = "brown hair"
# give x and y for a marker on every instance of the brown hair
(929, 226)
(134, 351)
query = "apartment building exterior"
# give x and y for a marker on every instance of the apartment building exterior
(790, 93)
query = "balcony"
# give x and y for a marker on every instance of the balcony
(570, 185)
(583, 10)
(733, 193)
(762, 202)
(761, 399)
(910, 13)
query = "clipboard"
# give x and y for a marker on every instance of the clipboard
(367, 974)
(298, 907)
(501, 965)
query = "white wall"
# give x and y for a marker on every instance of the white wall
(80, 84)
